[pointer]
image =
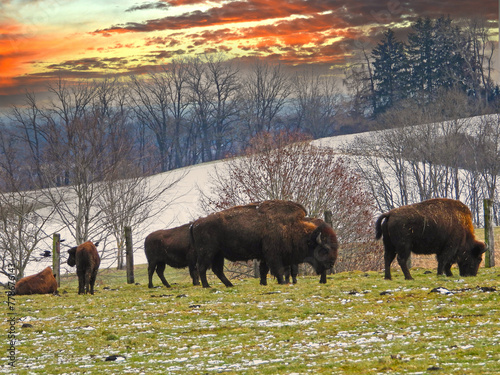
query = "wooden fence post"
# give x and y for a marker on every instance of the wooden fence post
(56, 257)
(489, 239)
(129, 251)
(328, 219)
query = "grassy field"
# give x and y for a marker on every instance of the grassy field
(357, 323)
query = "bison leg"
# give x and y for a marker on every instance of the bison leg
(81, 282)
(322, 278)
(194, 274)
(160, 269)
(444, 267)
(389, 256)
(277, 270)
(447, 270)
(263, 270)
(151, 271)
(88, 278)
(280, 278)
(403, 263)
(294, 268)
(202, 272)
(92, 281)
(218, 269)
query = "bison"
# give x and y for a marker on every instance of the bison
(43, 282)
(438, 226)
(275, 232)
(87, 262)
(172, 247)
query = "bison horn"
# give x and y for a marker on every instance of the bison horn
(318, 239)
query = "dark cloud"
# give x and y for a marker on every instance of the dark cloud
(156, 5)
(89, 64)
(354, 13)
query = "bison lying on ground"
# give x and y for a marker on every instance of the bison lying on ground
(276, 232)
(437, 226)
(87, 262)
(172, 247)
(43, 282)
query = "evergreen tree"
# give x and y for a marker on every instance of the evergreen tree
(434, 56)
(390, 72)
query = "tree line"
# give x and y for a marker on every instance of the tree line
(438, 54)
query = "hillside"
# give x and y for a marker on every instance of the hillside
(184, 207)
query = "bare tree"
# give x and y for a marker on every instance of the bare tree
(128, 198)
(486, 146)
(23, 213)
(266, 89)
(214, 84)
(479, 49)
(360, 86)
(23, 227)
(26, 121)
(289, 167)
(315, 103)
(160, 102)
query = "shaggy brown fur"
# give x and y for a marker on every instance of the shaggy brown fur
(43, 282)
(172, 247)
(437, 226)
(276, 232)
(87, 262)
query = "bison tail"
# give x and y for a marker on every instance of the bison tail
(191, 234)
(378, 225)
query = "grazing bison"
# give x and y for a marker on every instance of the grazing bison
(437, 226)
(87, 262)
(172, 247)
(275, 232)
(43, 282)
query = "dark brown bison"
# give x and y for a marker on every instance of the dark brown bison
(172, 247)
(87, 262)
(43, 282)
(437, 226)
(276, 232)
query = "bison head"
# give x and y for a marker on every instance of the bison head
(323, 248)
(469, 264)
(72, 257)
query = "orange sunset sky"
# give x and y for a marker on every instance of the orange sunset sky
(44, 39)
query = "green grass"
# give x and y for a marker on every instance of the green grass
(344, 327)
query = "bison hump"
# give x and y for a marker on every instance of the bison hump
(282, 208)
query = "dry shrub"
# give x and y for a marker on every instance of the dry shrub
(287, 166)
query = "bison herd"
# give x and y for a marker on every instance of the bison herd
(280, 236)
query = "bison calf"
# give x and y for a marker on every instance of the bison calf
(43, 282)
(87, 262)
(172, 247)
(437, 226)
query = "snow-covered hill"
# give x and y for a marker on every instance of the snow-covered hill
(184, 208)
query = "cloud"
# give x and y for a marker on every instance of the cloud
(227, 13)
(148, 6)
(90, 64)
